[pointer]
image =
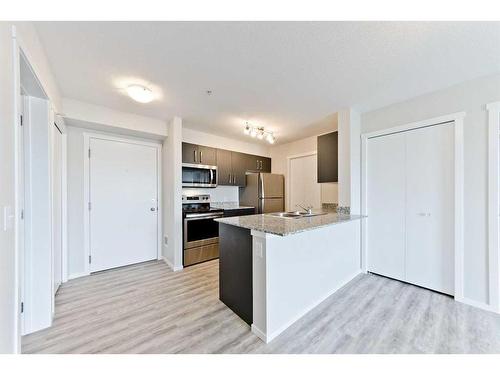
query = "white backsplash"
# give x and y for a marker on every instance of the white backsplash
(218, 194)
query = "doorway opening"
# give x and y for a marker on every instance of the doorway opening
(303, 187)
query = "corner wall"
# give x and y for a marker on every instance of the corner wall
(470, 97)
(172, 194)
(28, 40)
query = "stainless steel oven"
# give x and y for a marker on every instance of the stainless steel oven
(197, 175)
(200, 230)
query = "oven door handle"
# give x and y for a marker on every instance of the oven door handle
(202, 216)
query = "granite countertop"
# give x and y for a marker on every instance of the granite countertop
(285, 226)
(229, 206)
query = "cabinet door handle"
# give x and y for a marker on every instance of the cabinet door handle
(195, 156)
(201, 156)
(229, 178)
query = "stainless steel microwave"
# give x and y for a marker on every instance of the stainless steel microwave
(198, 175)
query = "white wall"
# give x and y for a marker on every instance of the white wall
(105, 119)
(286, 287)
(7, 199)
(28, 40)
(172, 194)
(211, 140)
(76, 198)
(280, 155)
(471, 98)
(349, 187)
(38, 297)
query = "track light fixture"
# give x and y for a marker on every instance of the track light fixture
(259, 132)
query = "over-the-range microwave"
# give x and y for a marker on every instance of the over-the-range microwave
(198, 175)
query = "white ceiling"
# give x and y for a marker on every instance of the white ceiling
(287, 76)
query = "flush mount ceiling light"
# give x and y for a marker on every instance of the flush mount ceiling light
(259, 133)
(140, 93)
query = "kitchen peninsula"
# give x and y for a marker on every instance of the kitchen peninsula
(274, 268)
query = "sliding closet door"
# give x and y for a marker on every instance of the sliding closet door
(430, 208)
(386, 205)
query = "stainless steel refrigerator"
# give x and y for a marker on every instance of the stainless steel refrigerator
(265, 191)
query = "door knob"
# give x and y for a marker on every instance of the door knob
(153, 209)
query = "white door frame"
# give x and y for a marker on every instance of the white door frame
(86, 189)
(64, 193)
(493, 204)
(288, 174)
(457, 119)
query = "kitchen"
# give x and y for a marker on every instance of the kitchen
(246, 211)
(248, 184)
(214, 229)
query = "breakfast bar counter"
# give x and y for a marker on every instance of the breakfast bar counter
(274, 269)
(284, 226)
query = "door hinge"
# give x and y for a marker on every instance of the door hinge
(21, 123)
(22, 307)
(90, 259)
(90, 206)
(89, 153)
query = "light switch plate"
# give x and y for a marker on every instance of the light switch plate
(8, 218)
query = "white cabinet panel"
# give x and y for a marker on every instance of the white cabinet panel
(386, 205)
(429, 212)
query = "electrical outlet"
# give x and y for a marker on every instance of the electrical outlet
(258, 249)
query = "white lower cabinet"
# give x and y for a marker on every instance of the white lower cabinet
(410, 206)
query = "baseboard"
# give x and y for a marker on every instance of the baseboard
(479, 305)
(261, 335)
(171, 266)
(270, 336)
(77, 275)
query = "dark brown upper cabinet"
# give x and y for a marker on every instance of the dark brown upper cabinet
(239, 163)
(328, 157)
(258, 164)
(265, 165)
(232, 167)
(224, 167)
(197, 154)
(208, 155)
(189, 153)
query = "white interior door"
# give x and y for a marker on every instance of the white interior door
(304, 187)
(386, 205)
(430, 208)
(57, 207)
(124, 203)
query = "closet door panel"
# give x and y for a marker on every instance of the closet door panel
(429, 208)
(386, 205)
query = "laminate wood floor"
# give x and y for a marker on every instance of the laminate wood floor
(147, 308)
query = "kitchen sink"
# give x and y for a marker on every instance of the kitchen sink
(296, 214)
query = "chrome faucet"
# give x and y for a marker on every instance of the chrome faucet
(307, 209)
